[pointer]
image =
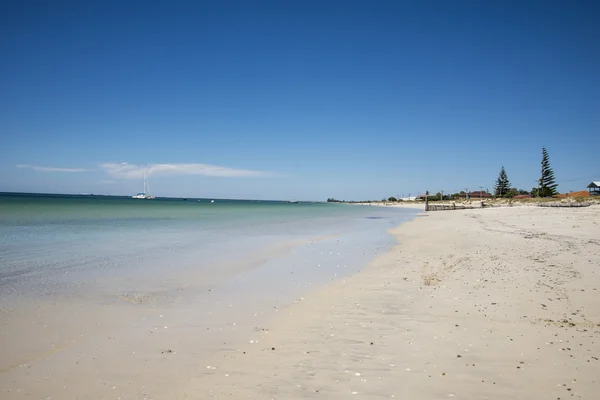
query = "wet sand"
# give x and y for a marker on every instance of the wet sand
(474, 304)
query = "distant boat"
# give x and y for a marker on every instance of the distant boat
(293, 201)
(146, 193)
(212, 201)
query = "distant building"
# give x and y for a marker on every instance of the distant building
(409, 198)
(479, 194)
(594, 188)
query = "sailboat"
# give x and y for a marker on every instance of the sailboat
(146, 193)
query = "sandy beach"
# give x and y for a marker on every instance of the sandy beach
(470, 304)
(474, 304)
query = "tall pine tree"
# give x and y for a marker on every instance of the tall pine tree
(502, 185)
(547, 184)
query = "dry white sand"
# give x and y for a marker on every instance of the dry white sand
(475, 304)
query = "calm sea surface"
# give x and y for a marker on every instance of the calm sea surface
(63, 245)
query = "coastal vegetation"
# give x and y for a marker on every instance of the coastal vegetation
(502, 184)
(547, 185)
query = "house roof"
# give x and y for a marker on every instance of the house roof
(595, 185)
(580, 193)
(477, 193)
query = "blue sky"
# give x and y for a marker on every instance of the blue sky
(302, 99)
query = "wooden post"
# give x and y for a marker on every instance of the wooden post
(427, 201)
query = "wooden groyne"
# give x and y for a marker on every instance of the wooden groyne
(445, 207)
(557, 204)
(453, 206)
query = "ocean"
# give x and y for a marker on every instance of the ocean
(81, 245)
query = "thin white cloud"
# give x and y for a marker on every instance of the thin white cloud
(50, 169)
(132, 171)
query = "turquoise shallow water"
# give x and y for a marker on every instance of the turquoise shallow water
(94, 289)
(55, 245)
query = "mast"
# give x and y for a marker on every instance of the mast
(144, 191)
(147, 185)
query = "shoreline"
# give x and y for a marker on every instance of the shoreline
(495, 303)
(146, 343)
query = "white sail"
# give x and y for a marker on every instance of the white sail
(146, 193)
